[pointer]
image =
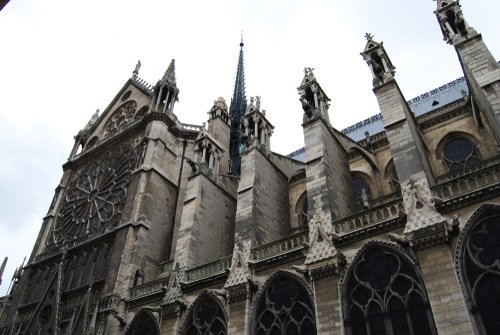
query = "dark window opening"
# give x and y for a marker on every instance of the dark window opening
(460, 153)
(285, 309)
(482, 273)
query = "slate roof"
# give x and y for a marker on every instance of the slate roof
(420, 105)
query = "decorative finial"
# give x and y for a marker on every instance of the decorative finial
(368, 36)
(252, 99)
(257, 102)
(136, 70)
(308, 71)
(241, 43)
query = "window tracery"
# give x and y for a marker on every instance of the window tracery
(479, 255)
(384, 295)
(120, 117)
(206, 317)
(284, 307)
(460, 153)
(95, 197)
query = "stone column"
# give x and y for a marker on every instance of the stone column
(445, 294)
(327, 300)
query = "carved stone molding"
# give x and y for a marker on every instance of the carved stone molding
(240, 271)
(320, 241)
(323, 272)
(238, 293)
(425, 226)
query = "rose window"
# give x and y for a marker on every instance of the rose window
(122, 116)
(95, 197)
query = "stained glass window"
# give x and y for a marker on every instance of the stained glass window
(384, 295)
(460, 153)
(482, 272)
(285, 308)
(206, 317)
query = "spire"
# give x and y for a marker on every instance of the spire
(237, 109)
(166, 92)
(377, 59)
(169, 76)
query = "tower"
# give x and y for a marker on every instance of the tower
(237, 110)
(480, 68)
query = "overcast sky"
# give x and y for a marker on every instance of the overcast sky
(61, 60)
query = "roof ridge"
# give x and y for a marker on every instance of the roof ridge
(143, 83)
(362, 123)
(436, 90)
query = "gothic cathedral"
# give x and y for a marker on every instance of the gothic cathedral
(390, 226)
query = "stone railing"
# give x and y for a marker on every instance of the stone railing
(207, 270)
(108, 303)
(147, 289)
(299, 229)
(285, 245)
(369, 217)
(49, 252)
(468, 180)
(190, 127)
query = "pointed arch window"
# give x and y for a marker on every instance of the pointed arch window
(206, 316)
(144, 323)
(301, 210)
(385, 295)
(391, 175)
(480, 258)
(284, 308)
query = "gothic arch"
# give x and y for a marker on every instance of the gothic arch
(206, 315)
(292, 315)
(383, 292)
(391, 176)
(301, 209)
(368, 156)
(477, 260)
(143, 323)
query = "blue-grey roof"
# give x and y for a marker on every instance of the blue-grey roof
(420, 105)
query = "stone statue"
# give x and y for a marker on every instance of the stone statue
(137, 67)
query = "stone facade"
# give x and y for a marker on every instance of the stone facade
(154, 230)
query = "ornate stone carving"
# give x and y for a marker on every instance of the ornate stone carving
(121, 116)
(240, 271)
(419, 206)
(85, 131)
(320, 241)
(95, 197)
(173, 302)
